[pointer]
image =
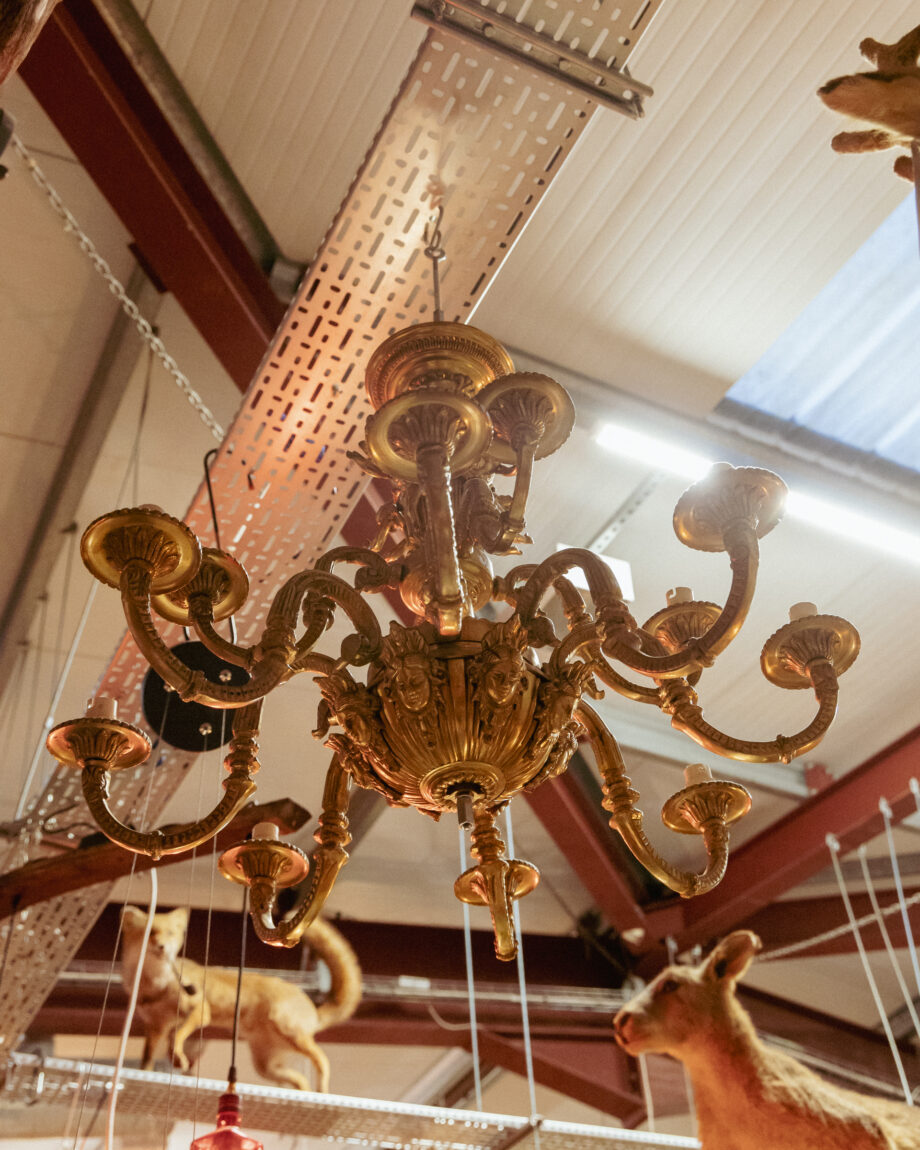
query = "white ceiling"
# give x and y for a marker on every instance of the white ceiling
(665, 259)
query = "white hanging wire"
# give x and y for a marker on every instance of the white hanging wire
(885, 808)
(671, 944)
(128, 306)
(535, 1119)
(886, 939)
(118, 934)
(833, 845)
(129, 1015)
(470, 986)
(205, 730)
(207, 939)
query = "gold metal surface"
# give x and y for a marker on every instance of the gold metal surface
(449, 356)
(688, 811)
(456, 706)
(221, 581)
(789, 652)
(728, 494)
(167, 546)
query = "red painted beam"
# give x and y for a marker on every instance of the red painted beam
(436, 952)
(90, 90)
(595, 1073)
(579, 830)
(794, 848)
(791, 921)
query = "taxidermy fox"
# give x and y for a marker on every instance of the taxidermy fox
(889, 99)
(276, 1018)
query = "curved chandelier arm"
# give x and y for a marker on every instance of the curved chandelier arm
(201, 616)
(612, 613)
(333, 837)
(191, 685)
(687, 716)
(99, 746)
(320, 592)
(703, 808)
(499, 531)
(743, 550)
(619, 683)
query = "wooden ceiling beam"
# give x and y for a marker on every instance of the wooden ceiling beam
(100, 860)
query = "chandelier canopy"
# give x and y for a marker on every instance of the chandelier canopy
(466, 707)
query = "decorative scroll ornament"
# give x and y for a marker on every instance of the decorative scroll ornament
(457, 712)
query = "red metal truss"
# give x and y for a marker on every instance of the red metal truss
(579, 830)
(92, 93)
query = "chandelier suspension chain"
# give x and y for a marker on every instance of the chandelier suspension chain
(128, 306)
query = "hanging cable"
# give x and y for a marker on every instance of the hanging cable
(207, 941)
(535, 1119)
(208, 460)
(470, 987)
(231, 1077)
(886, 939)
(118, 934)
(833, 845)
(129, 1016)
(884, 807)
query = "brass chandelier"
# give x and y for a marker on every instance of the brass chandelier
(457, 712)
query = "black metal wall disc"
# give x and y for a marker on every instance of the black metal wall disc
(191, 726)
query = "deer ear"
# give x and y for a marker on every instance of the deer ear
(732, 956)
(131, 914)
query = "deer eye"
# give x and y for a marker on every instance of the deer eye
(668, 986)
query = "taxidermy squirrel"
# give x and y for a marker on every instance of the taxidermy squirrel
(276, 1018)
(889, 99)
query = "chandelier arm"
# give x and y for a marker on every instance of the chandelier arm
(201, 616)
(333, 837)
(741, 543)
(320, 592)
(687, 716)
(604, 589)
(190, 685)
(626, 819)
(375, 570)
(241, 761)
(617, 682)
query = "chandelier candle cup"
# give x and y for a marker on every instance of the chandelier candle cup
(459, 713)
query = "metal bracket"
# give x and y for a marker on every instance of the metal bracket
(605, 78)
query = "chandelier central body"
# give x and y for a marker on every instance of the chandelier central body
(481, 697)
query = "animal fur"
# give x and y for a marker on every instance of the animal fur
(276, 1018)
(888, 99)
(749, 1096)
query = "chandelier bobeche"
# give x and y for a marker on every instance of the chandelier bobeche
(458, 712)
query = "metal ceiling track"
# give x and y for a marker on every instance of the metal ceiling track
(333, 1118)
(549, 39)
(490, 132)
